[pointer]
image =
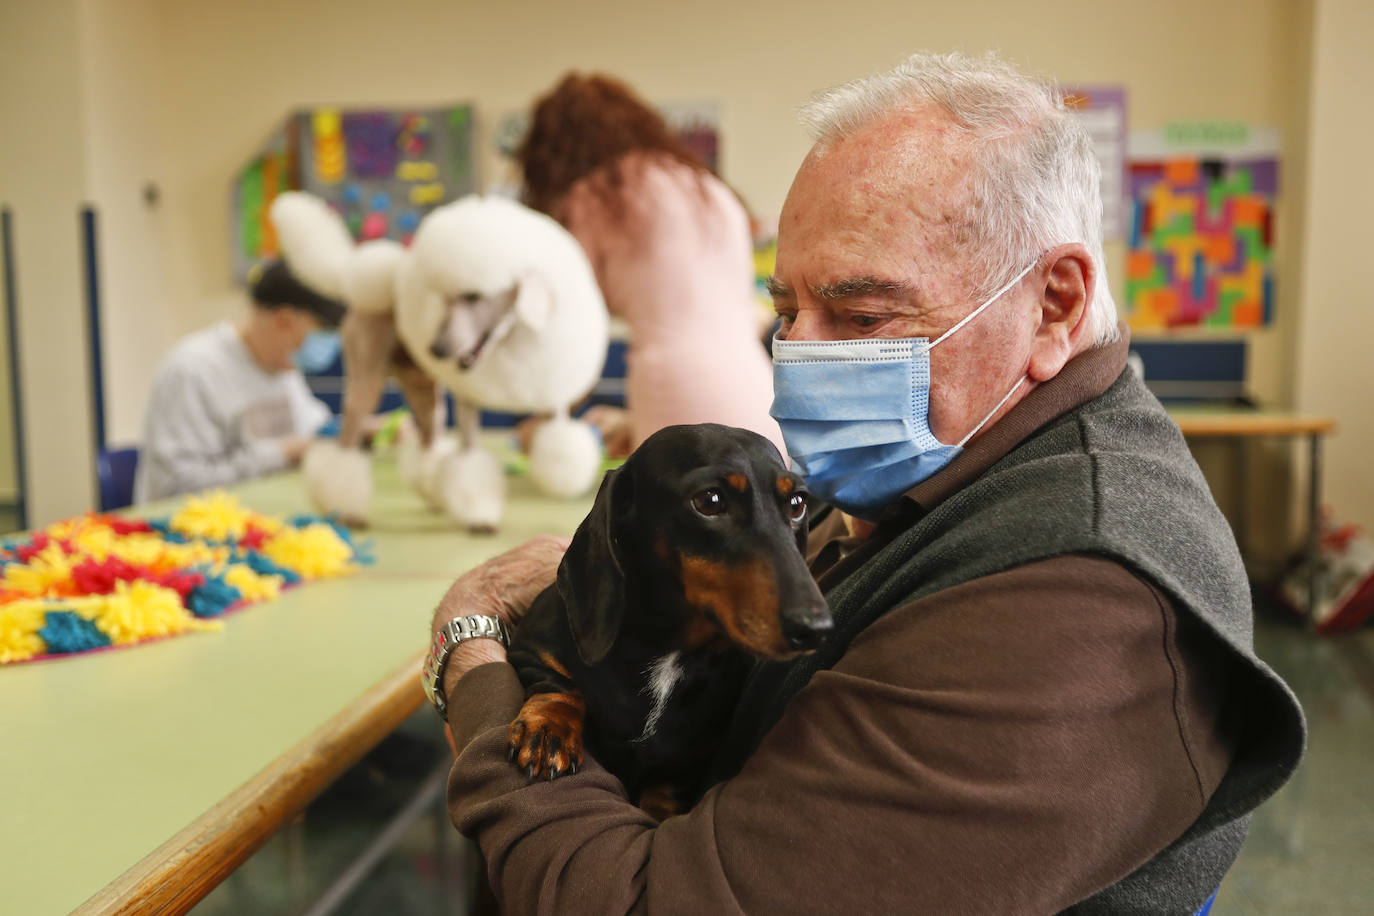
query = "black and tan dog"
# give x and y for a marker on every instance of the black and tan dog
(688, 568)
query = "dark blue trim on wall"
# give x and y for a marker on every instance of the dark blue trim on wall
(97, 376)
(12, 326)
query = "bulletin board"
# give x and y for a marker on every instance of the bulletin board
(1201, 234)
(382, 169)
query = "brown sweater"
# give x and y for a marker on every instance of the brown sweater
(1010, 745)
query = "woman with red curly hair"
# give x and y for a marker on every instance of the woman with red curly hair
(672, 251)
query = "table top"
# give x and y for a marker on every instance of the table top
(1206, 422)
(176, 759)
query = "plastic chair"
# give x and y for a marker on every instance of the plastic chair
(115, 471)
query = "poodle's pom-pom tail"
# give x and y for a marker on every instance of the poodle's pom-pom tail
(314, 241)
(338, 481)
(369, 279)
(473, 486)
(565, 457)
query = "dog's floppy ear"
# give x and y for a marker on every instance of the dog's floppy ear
(591, 578)
(533, 301)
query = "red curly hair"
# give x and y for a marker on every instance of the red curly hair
(587, 124)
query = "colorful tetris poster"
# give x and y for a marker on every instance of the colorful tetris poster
(382, 169)
(1201, 241)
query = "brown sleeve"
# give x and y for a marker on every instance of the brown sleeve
(1010, 745)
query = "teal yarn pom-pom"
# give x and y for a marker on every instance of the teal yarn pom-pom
(65, 632)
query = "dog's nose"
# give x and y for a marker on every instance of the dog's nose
(805, 634)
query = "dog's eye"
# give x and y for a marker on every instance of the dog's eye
(796, 507)
(709, 502)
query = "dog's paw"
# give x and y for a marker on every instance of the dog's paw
(545, 740)
(660, 800)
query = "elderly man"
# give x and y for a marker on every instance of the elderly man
(1040, 694)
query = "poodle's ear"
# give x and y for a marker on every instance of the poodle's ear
(591, 577)
(533, 301)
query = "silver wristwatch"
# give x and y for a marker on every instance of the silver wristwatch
(459, 629)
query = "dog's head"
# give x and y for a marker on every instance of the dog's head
(703, 529)
(474, 321)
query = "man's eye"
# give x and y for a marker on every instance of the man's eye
(709, 502)
(865, 321)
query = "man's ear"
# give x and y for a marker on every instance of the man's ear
(591, 577)
(1065, 295)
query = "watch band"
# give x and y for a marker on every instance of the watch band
(459, 629)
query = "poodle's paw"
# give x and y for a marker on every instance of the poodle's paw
(565, 457)
(422, 468)
(472, 486)
(338, 481)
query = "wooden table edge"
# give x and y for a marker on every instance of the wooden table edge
(179, 873)
(1201, 425)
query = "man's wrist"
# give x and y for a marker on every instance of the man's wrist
(468, 656)
(441, 671)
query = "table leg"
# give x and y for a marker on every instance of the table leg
(1314, 503)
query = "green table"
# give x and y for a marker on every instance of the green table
(135, 780)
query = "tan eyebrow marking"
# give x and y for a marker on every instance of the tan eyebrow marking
(738, 481)
(786, 485)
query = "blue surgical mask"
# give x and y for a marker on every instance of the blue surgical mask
(855, 415)
(318, 352)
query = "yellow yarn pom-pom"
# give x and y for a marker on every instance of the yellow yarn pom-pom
(313, 552)
(251, 586)
(20, 622)
(47, 574)
(140, 610)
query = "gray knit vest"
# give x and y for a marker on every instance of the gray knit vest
(1110, 478)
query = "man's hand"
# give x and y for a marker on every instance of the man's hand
(504, 586)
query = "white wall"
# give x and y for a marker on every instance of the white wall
(1335, 367)
(42, 178)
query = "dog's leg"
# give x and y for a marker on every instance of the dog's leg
(424, 398)
(368, 340)
(471, 482)
(661, 800)
(338, 475)
(545, 740)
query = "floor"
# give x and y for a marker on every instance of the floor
(1307, 853)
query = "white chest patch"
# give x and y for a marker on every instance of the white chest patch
(662, 676)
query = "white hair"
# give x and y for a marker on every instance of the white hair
(1035, 181)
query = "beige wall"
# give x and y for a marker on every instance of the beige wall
(180, 94)
(1335, 367)
(42, 178)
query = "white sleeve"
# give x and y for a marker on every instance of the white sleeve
(189, 443)
(308, 413)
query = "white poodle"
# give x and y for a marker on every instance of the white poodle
(493, 301)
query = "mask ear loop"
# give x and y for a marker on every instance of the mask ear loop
(981, 423)
(974, 314)
(995, 296)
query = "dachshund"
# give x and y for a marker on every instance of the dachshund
(688, 568)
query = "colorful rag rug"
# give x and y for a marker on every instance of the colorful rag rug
(105, 580)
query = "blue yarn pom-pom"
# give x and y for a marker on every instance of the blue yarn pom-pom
(259, 563)
(212, 597)
(67, 631)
